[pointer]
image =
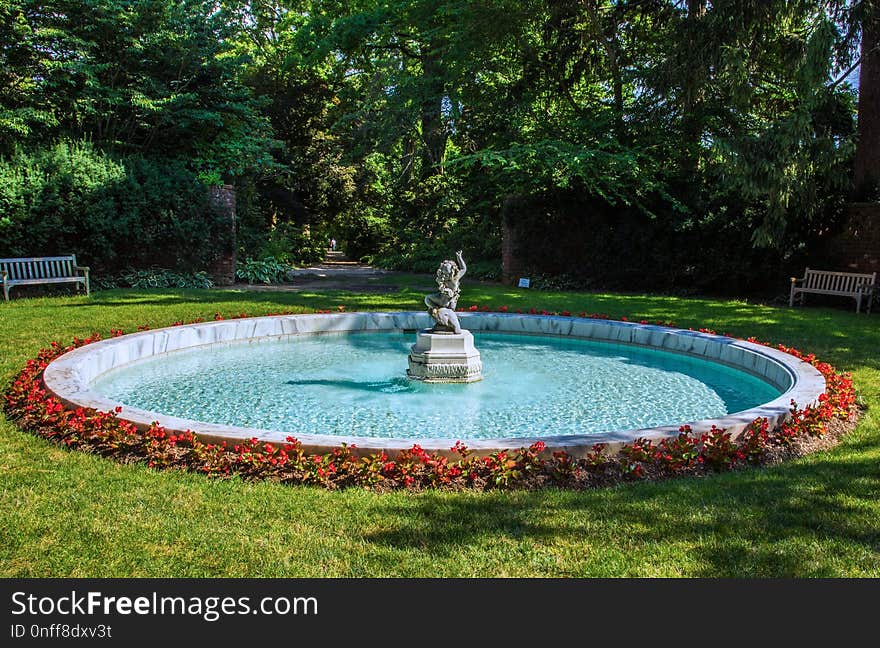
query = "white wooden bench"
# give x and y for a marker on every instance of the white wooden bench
(859, 286)
(42, 270)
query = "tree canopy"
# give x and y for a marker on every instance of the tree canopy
(409, 128)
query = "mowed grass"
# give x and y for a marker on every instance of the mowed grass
(66, 513)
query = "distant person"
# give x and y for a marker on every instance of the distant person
(333, 244)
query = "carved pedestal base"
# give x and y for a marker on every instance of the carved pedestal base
(445, 357)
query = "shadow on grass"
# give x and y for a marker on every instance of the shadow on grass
(789, 520)
(224, 298)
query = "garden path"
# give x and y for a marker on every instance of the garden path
(336, 272)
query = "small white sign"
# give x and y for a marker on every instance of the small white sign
(524, 283)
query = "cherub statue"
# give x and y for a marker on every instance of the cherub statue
(441, 304)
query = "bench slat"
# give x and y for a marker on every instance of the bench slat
(25, 282)
(818, 291)
(867, 275)
(32, 259)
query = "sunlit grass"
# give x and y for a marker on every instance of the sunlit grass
(71, 514)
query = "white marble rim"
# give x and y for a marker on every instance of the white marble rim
(70, 376)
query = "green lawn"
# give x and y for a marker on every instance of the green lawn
(70, 514)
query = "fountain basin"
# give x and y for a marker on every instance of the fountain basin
(71, 377)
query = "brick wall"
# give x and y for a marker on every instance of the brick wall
(858, 248)
(223, 269)
(511, 266)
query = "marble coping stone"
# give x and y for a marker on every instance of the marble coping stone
(70, 376)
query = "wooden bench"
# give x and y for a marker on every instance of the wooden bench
(42, 270)
(844, 284)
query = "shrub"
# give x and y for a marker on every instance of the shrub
(112, 212)
(268, 270)
(156, 278)
(425, 258)
(295, 245)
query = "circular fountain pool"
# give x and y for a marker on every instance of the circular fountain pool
(327, 379)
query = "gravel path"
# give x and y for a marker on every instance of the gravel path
(335, 273)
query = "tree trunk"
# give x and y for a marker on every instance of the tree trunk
(866, 166)
(612, 48)
(692, 92)
(434, 134)
(408, 159)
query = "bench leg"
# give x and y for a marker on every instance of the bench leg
(5, 291)
(858, 303)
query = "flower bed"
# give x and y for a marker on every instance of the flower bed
(28, 403)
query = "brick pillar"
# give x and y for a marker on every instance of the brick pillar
(222, 198)
(511, 267)
(858, 248)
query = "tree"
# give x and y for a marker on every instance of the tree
(154, 77)
(866, 165)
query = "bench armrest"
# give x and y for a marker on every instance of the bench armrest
(3, 274)
(794, 280)
(84, 269)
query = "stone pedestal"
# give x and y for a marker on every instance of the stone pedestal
(443, 357)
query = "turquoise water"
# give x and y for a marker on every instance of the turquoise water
(356, 385)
